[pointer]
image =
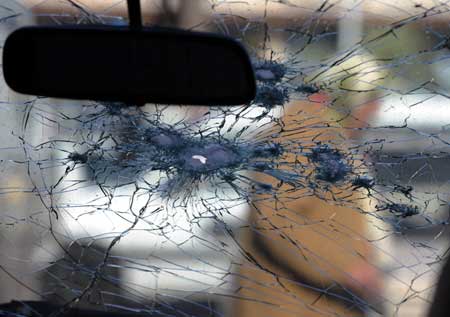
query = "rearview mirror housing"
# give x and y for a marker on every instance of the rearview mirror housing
(148, 65)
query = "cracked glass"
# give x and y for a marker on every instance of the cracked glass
(327, 195)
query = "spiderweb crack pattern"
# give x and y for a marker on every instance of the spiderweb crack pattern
(335, 177)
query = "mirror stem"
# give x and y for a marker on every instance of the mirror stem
(135, 20)
(134, 14)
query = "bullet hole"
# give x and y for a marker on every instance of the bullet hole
(329, 163)
(201, 158)
(269, 96)
(405, 190)
(332, 171)
(400, 210)
(269, 71)
(363, 181)
(164, 139)
(268, 150)
(208, 158)
(307, 89)
(323, 151)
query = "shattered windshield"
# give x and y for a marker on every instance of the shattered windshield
(327, 195)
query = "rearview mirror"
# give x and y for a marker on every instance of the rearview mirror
(155, 65)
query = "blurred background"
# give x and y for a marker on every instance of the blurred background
(391, 85)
